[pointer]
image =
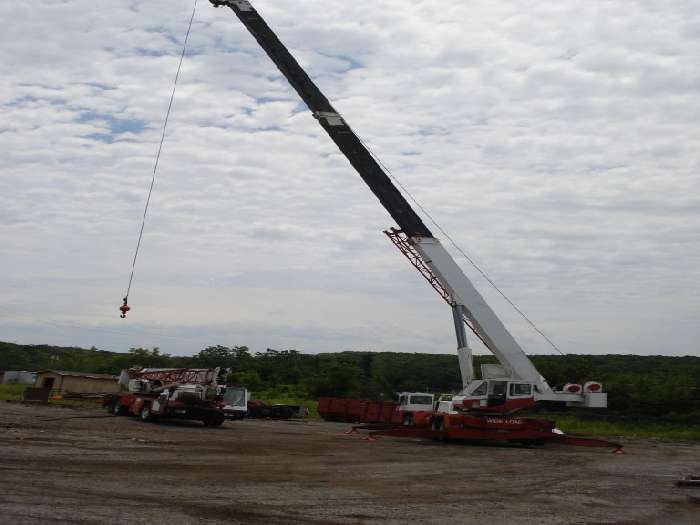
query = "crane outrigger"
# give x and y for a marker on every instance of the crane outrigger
(484, 407)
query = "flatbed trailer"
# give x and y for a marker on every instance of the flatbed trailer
(483, 429)
(403, 419)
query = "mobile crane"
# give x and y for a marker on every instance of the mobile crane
(483, 409)
(178, 393)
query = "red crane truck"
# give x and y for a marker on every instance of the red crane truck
(177, 393)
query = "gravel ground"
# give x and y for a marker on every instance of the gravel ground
(59, 465)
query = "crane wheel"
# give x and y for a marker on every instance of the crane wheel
(145, 413)
(116, 408)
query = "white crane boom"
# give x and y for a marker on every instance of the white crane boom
(498, 339)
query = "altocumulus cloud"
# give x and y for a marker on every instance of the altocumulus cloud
(556, 141)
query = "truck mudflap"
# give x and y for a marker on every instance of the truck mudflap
(234, 414)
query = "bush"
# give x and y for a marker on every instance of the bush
(11, 392)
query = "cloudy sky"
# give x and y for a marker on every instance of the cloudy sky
(557, 142)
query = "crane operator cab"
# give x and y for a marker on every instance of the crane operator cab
(496, 395)
(502, 395)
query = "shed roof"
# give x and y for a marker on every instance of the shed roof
(87, 375)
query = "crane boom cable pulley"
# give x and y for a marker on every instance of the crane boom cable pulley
(125, 306)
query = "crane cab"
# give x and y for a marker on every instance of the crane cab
(496, 395)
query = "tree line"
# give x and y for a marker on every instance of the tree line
(649, 386)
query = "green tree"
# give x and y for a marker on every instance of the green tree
(213, 356)
(336, 379)
(249, 379)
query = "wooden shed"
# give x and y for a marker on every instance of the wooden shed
(79, 382)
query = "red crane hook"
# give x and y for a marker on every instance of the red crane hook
(124, 308)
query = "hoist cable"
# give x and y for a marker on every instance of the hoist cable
(160, 149)
(457, 247)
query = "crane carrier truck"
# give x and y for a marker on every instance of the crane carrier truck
(485, 408)
(178, 393)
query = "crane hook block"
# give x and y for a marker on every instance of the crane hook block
(124, 308)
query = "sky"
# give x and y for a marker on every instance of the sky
(556, 142)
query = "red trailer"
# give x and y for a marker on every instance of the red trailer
(405, 411)
(356, 410)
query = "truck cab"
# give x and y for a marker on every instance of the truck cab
(235, 402)
(414, 407)
(415, 402)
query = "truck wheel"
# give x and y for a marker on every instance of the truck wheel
(214, 420)
(115, 407)
(145, 414)
(408, 420)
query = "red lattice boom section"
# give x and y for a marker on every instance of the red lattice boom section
(199, 376)
(403, 243)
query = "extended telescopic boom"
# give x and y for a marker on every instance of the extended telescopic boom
(466, 301)
(328, 117)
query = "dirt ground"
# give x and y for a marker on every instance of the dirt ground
(60, 465)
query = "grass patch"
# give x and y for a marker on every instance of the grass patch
(11, 392)
(630, 429)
